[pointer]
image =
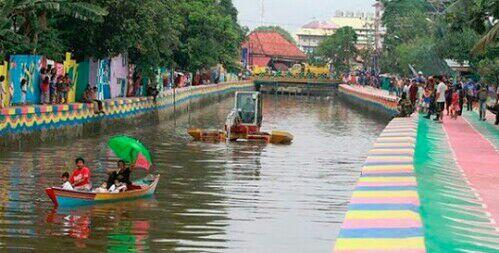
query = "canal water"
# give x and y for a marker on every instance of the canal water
(237, 197)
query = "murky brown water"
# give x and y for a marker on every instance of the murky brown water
(244, 197)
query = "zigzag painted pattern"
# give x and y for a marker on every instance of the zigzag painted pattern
(35, 118)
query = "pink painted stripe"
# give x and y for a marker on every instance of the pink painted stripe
(478, 159)
(388, 200)
(381, 223)
(386, 184)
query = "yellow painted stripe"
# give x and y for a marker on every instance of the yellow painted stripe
(380, 243)
(391, 214)
(383, 194)
(384, 167)
(390, 158)
(387, 179)
(392, 152)
(407, 144)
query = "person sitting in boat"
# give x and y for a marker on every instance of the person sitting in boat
(117, 187)
(101, 189)
(80, 179)
(65, 178)
(122, 174)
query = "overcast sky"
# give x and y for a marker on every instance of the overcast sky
(292, 14)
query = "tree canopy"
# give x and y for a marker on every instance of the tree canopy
(424, 34)
(190, 34)
(339, 48)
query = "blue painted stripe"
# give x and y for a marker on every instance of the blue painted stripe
(386, 188)
(402, 174)
(411, 207)
(381, 233)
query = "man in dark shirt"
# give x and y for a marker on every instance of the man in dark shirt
(122, 175)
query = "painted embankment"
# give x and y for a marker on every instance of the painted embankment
(370, 98)
(37, 122)
(427, 187)
(383, 214)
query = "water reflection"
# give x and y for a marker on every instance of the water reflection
(212, 197)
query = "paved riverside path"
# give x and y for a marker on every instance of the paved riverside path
(479, 160)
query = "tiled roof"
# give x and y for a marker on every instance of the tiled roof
(272, 44)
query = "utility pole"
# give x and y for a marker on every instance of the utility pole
(377, 35)
(262, 12)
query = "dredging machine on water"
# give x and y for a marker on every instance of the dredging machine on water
(243, 123)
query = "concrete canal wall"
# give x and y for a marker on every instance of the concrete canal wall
(26, 125)
(425, 186)
(369, 98)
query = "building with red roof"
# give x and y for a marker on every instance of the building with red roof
(269, 48)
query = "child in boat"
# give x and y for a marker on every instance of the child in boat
(117, 187)
(101, 189)
(65, 178)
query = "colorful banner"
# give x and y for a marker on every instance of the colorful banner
(25, 67)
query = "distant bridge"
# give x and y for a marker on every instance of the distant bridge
(296, 86)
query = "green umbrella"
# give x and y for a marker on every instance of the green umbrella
(127, 148)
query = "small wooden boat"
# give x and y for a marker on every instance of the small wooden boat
(68, 198)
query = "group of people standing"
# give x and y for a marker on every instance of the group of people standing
(54, 88)
(437, 94)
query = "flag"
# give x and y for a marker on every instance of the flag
(142, 162)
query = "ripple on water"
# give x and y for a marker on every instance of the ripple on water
(211, 198)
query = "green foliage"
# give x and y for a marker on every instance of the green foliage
(210, 34)
(29, 19)
(457, 45)
(489, 70)
(279, 30)
(409, 38)
(339, 49)
(191, 34)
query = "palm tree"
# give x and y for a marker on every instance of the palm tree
(29, 17)
(490, 38)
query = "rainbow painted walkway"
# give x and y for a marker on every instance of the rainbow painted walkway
(383, 215)
(426, 187)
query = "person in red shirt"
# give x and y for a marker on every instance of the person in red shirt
(80, 179)
(45, 87)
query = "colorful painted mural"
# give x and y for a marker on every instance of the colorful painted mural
(70, 67)
(5, 91)
(119, 75)
(26, 119)
(103, 79)
(25, 67)
(82, 80)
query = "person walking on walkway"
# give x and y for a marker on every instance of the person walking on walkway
(482, 100)
(440, 98)
(469, 88)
